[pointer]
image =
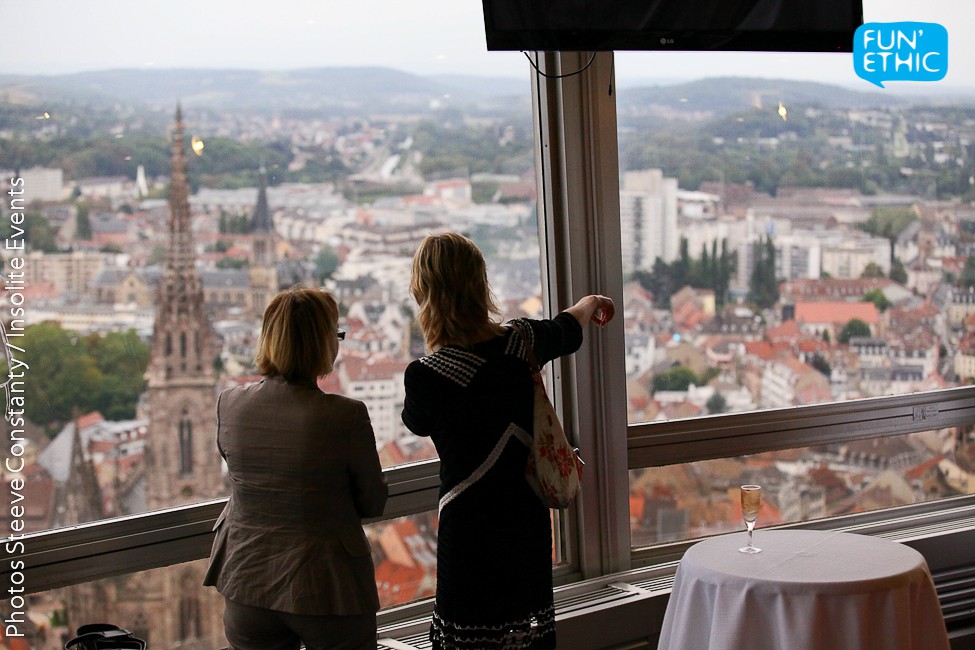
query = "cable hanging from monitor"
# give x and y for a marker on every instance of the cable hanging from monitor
(560, 76)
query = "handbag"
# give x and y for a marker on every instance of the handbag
(554, 468)
(99, 636)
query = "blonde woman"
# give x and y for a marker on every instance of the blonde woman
(494, 552)
(290, 556)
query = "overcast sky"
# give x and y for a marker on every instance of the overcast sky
(423, 37)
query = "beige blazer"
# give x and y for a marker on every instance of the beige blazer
(304, 471)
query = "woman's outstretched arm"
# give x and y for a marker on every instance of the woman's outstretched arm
(598, 309)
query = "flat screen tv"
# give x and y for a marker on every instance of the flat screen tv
(693, 25)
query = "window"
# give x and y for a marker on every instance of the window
(779, 251)
(351, 172)
(583, 159)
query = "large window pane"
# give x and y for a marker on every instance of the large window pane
(319, 149)
(792, 234)
(692, 500)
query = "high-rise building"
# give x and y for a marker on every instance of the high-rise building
(648, 219)
(43, 184)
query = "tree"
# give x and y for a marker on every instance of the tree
(63, 375)
(73, 373)
(122, 359)
(877, 297)
(232, 263)
(821, 364)
(230, 224)
(326, 262)
(38, 232)
(764, 289)
(968, 273)
(710, 272)
(855, 327)
(83, 222)
(682, 267)
(897, 272)
(157, 255)
(716, 404)
(676, 378)
(872, 270)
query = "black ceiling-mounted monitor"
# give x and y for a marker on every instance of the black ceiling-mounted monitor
(690, 25)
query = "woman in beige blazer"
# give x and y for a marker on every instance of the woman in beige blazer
(290, 556)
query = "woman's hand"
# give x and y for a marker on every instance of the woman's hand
(605, 310)
(597, 309)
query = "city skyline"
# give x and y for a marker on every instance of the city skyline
(444, 38)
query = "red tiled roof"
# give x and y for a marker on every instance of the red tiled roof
(807, 344)
(88, 419)
(765, 350)
(836, 312)
(787, 330)
(397, 583)
(637, 503)
(330, 383)
(921, 469)
(372, 368)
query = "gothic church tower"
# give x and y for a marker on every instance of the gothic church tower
(169, 606)
(182, 465)
(182, 462)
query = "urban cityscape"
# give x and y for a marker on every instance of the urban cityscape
(775, 253)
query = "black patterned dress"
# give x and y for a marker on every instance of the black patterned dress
(494, 546)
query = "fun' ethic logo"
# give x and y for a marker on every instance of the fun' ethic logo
(906, 51)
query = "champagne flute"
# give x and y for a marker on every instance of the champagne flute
(751, 500)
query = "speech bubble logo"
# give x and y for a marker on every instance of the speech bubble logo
(904, 51)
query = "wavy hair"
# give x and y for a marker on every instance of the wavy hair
(299, 335)
(450, 285)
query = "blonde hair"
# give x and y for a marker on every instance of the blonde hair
(450, 285)
(299, 335)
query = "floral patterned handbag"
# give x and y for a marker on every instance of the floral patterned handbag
(554, 469)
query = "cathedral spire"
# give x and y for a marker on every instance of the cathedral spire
(182, 340)
(262, 221)
(179, 251)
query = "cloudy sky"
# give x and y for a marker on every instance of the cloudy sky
(424, 37)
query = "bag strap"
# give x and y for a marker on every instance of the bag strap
(513, 431)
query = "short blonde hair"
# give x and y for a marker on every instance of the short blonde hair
(299, 334)
(450, 285)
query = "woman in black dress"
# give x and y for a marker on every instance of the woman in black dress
(470, 394)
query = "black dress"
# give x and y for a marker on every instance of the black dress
(494, 546)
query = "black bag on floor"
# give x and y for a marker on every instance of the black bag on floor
(101, 636)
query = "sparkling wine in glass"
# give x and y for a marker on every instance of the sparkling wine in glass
(751, 500)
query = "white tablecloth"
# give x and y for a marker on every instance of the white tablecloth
(806, 590)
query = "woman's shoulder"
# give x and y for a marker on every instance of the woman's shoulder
(233, 394)
(521, 335)
(334, 402)
(277, 390)
(450, 363)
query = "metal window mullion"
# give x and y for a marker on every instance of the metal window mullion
(579, 221)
